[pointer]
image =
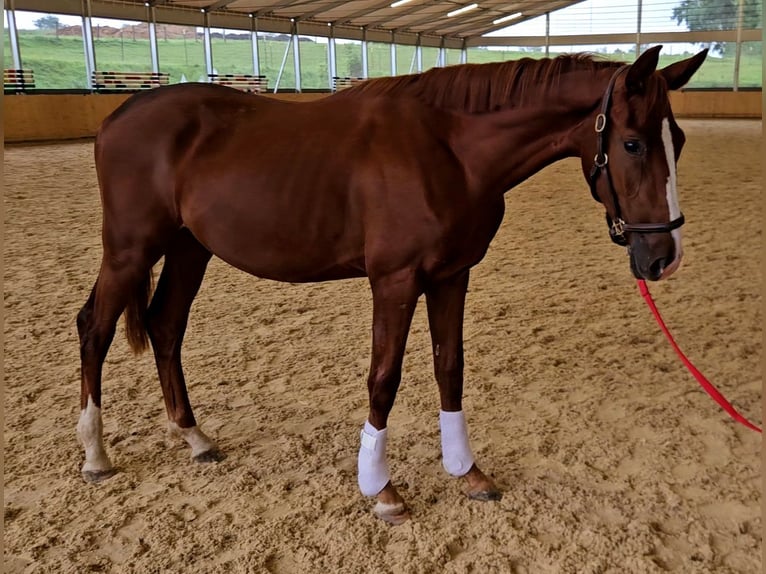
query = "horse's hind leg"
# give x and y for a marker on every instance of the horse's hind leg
(185, 264)
(124, 279)
(446, 303)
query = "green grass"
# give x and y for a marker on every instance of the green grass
(7, 56)
(59, 62)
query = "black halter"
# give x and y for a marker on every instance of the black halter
(618, 226)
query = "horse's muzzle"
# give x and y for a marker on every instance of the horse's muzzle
(652, 260)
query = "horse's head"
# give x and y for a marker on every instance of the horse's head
(630, 162)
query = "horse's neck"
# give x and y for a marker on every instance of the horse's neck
(503, 148)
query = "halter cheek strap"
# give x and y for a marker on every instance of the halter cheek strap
(617, 225)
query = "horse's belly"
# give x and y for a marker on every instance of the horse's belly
(284, 253)
(297, 269)
(282, 232)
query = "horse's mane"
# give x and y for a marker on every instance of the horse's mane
(477, 88)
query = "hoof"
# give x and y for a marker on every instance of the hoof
(485, 495)
(212, 455)
(94, 476)
(480, 487)
(392, 513)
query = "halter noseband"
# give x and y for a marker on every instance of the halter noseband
(617, 226)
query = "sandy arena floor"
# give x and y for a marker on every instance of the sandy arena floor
(610, 456)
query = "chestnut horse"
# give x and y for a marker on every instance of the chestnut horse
(400, 180)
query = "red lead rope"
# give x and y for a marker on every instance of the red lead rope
(707, 385)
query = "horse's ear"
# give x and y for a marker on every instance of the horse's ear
(676, 75)
(641, 69)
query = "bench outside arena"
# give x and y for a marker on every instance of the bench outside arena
(105, 81)
(16, 81)
(244, 82)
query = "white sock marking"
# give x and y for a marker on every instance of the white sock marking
(671, 193)
(90, 431)
(197, 440)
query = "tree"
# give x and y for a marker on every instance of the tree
(704, 15)
(47, 23)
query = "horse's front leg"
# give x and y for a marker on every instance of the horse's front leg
(446, 303)
(394, 299)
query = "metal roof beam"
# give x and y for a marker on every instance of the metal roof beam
(482, 25)
(446, 28)
(325, 8)
(369, 10)
(218, 5)
(432, 17)
(276, 6)
(406, 12)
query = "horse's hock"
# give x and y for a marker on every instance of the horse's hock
(590, 425)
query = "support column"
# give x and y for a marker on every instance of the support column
(393, 55)
(151, 18)
(296, 56)
(14, 34)
(442, 54)
(463, 54)
(87, 39)
(254, 45)
(365, 55)
(738, 54)
(419, 55)
(207, 44)
(332, 63)
(638, 30)
(547, 34)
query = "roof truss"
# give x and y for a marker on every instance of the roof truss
(416, 17)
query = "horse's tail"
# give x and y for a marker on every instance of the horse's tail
(135, 314)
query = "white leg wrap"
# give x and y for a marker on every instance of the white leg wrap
(456, 452)
(90, 431)
(373, 466)
(197, 440)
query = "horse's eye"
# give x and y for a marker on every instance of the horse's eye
(633, 147)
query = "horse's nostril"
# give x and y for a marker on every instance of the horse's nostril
(657, 267)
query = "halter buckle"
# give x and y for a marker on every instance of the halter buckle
(600, 123)
(601, 161)
(618, 227)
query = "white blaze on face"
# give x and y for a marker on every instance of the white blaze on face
(671, 194)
